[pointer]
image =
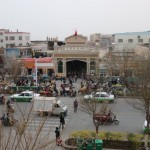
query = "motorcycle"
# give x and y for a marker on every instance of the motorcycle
(8, 121)
(105, 119)
(72, 93)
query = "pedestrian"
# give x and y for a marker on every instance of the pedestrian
(75, 78)
(62, 121)
(59, 141)
(57, 133)
(3, 99)
(3, 117)
(75, 103)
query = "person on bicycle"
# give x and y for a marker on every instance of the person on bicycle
(75, 103)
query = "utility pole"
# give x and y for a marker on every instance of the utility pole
(36, 72)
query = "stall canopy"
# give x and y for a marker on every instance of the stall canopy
(30, 62)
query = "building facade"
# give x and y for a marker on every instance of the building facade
(44, 66)
(12, 39)
(76, 57)
(129, 40)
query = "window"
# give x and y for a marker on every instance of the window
(103, 72)
(1, 33)
(60, 66)
(7, 45)
(92, 67)
(22, 94)
(6, 38)
(20, 44)
(130, 40)
(20, 37)
(140, 40)
(27, 94)
(102, 95)
(2, 41)
(12, 45)
(120, 40)
(11, 38)
(96, 95)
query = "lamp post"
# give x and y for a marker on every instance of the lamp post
(36, 72)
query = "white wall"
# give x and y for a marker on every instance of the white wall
(135, 36)
(23, 42)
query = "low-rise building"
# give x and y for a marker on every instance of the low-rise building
(129, 40)
(9, 39)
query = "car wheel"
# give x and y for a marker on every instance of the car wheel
(112, 101)
(30, 100)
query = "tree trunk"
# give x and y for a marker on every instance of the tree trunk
(96, 129)
(146, 140)
(147, 134)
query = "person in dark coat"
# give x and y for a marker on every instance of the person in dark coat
(75, 104)
(57, 133)
(62, 121)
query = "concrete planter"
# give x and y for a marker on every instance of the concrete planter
(70, 144)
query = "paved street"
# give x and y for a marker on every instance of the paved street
(50, 122)
(130, 119)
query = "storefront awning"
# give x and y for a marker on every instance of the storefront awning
(30, 62)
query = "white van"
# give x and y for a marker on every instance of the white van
(49, 105)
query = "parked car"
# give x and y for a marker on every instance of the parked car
(25, 96)
(100, 96)
(117, 89)
(89, 96)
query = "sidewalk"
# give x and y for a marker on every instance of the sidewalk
(66, 132)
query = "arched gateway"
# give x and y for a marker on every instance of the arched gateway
(76, 67)
(75, 57)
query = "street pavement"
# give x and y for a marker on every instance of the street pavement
(130, 120)
(51, 122)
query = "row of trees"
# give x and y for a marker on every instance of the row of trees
(141, 68)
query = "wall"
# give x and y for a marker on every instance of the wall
(130, 35)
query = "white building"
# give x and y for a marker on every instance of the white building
(101, 40)
(129, 40)
(95, 37)
(12, 39)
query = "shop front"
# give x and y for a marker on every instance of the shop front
(44, 66)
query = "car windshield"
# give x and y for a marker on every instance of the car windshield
(27, 94)
(96, 95)
(103, 95)
(22, 94)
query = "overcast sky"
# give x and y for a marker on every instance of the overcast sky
(60, 18)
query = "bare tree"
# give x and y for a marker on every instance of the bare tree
(12, 66)
(93, 107)
(119, 63)
(142, 102)
(21, 137)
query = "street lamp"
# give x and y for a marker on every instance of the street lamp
(36, 72)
